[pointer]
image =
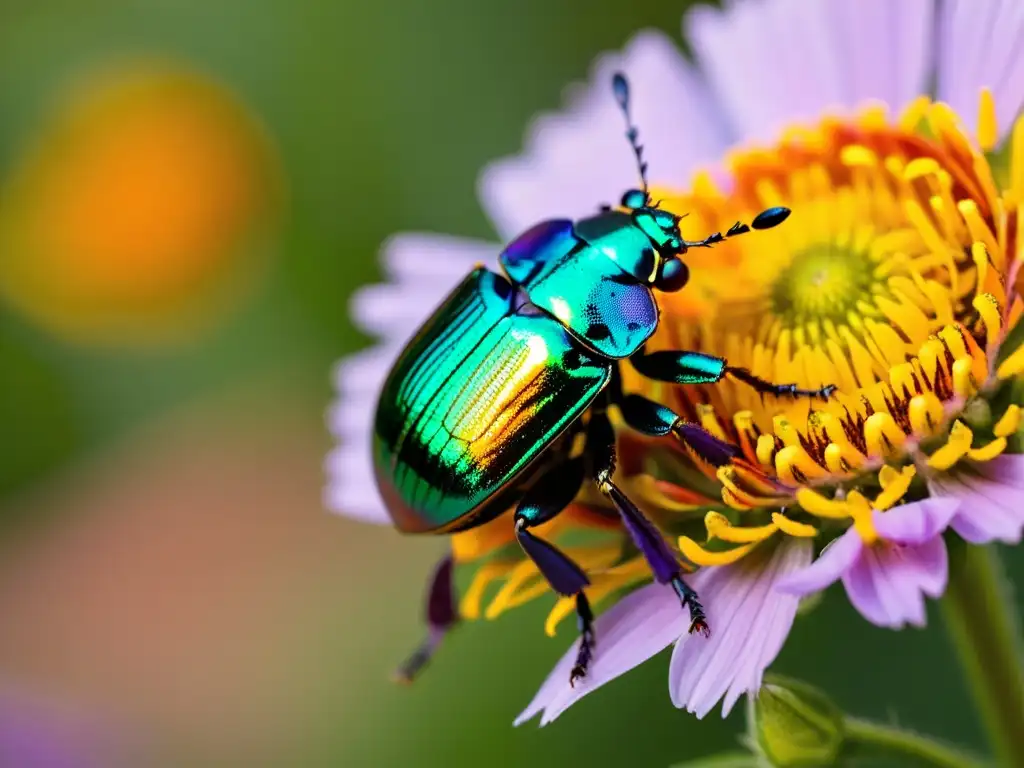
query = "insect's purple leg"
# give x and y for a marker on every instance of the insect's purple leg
(552, 493)
(663, 561)
(442, 615)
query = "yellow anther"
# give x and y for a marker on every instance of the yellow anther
(819, 506)
(863, 521)
(524, 583)
(988, 308)
(602, 584)
(793, 465)
(469, 607)
(929, 355)
(1009, 422)
(963, 378)
(956, 447)
(709, 420)
(792, 527)
(1014, 364)
(696, 554)
(856, 155)
(766, 450)
(894, 484)
(741, 497)
(902, 377)
(882, 435)
(988, 130)
(925, 413)
(954, 339)
(988, 451)
(784, 430)
(719, 527)
(919, 167)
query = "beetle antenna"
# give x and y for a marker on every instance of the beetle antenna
(620, 86)
(766, 219)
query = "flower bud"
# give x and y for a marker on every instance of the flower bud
(794, 724)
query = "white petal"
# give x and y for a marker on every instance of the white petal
(577, 159)
(423, 269)
(979, 45)
(775, 61)
(633, 630)
(351, 490)
(749, 622)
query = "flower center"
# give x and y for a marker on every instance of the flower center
(892, 279)
(822, 283)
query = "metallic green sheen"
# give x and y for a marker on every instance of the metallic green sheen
(584, 289)
(699, 369)
(618, 238)
(473, 401)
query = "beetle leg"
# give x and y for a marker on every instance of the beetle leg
(655, 420)
(441, 614)
(682, 367)
(552, 493)
(664, 563)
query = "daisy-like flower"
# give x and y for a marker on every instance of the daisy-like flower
(895, 278)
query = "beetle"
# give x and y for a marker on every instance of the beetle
(480, 413)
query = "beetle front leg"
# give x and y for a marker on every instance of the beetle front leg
(441, 614)
(682, 367)
(552, 493)
(655, 420)
(664, 563)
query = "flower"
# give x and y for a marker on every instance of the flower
(888, 561)
(895, 278)
(137, 212)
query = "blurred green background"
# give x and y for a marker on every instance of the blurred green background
(168, 578)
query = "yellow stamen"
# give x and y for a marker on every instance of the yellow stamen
(956, 447)
(696, 554)
(485, 575)
(819, 506)
(988, 132)
(861, 512)
(792, 527)
(1013, 365)
(988, 451)
(719, 527)
(1009, 422)
(525, 582)
(601, 585)
(894, 484)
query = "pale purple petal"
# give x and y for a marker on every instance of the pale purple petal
(750, 622)
(633, 630)
(980, 46)
(351, 490)
(422, 270)
(991, 496)
(832, 563)
(917, 522)
(829, 55)
(577, 159)
(888, 582)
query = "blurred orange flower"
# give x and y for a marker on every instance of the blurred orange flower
(140, 211)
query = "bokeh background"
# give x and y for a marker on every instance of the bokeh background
(190, 190)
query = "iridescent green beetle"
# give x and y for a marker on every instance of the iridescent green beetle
(480, 413)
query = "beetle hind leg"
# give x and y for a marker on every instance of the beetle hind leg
(552, 493)
(441, 614)
(663, 562)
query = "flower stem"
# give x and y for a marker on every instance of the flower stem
(890, 740)
(983, 624)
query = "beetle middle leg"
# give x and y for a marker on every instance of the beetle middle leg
(663, 562)
(552, 493)
(682, 367)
